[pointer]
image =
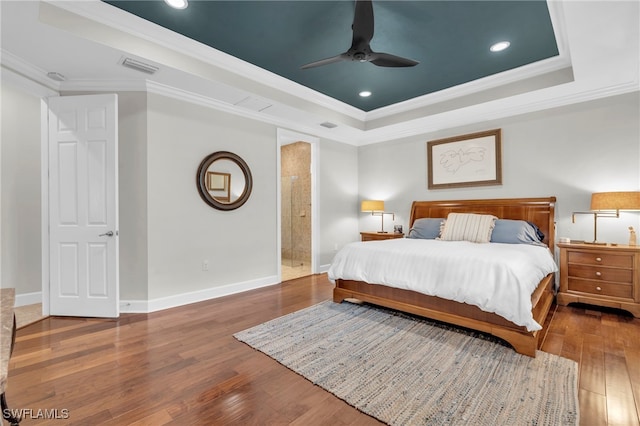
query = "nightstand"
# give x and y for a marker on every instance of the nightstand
(600, 275)
(375, 236)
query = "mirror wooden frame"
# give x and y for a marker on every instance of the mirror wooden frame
(201, 180)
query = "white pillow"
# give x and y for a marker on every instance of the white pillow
(476, 228)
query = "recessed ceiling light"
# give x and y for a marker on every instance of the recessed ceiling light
(365, 93)
(177, 4)
(501, 45)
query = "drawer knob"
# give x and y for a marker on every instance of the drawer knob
(598, 274)
(598, 259)
(599, 288)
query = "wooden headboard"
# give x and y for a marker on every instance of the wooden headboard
(540, 211)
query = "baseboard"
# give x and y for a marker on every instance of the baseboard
(28, 299)
(324, 268)
(146, 306)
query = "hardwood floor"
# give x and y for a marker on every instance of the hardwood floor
(182, 366)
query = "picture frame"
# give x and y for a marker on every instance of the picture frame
(473, 159)
(216, 181)
(219, 184)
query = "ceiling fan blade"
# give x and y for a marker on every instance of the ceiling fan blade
(362, 22)
(388, 60)
(360, 51)
(325, 61)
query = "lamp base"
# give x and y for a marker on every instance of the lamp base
(383, 232)
(595, 243)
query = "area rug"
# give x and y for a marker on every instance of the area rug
(404, 370)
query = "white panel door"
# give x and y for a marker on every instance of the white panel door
(83, 206)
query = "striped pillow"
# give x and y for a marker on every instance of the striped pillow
(476, 228)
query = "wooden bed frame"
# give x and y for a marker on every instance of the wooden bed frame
(540, 211)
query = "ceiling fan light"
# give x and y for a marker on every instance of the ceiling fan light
(365, 94)
(177, 4)
(499, 46)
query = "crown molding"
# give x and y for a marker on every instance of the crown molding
(86, 85)
(558, 22)
(116, 18)
(304, 120)
(490, 82)
(99, 11)
(344, 136)
(21, 82)
(563, 60)
(31, 78)
(544, 99)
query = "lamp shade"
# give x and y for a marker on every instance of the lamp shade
(615, 200)
(372, 206)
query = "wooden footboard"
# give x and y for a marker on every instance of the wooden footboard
(461, 314)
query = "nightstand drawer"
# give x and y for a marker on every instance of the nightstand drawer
(595, 258)
(624, 276)
(606, 275)
(601, 288)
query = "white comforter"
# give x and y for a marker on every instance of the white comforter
(498, 278)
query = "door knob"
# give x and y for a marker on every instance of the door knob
(106, 234)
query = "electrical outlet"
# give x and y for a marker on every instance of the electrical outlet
(205, 265)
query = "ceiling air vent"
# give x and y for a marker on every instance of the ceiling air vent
(328, 125)
(56, 76)
(139, 66)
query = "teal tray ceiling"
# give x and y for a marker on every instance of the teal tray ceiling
(450, 39)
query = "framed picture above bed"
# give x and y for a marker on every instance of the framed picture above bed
(468, 160)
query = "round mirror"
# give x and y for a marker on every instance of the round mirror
(224, 180)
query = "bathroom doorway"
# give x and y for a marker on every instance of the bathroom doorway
(295, 209)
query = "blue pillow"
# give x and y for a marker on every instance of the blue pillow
(538, 231)
(426, 228)
(515, 232)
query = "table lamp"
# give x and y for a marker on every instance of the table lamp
(376, 207)
(609, 204)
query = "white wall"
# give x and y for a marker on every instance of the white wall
(183, 231)
(240, 245)
(20, 190)
(568, 152)
(338, 198)
(132, 188)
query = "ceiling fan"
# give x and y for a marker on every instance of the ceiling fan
(360, 50)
